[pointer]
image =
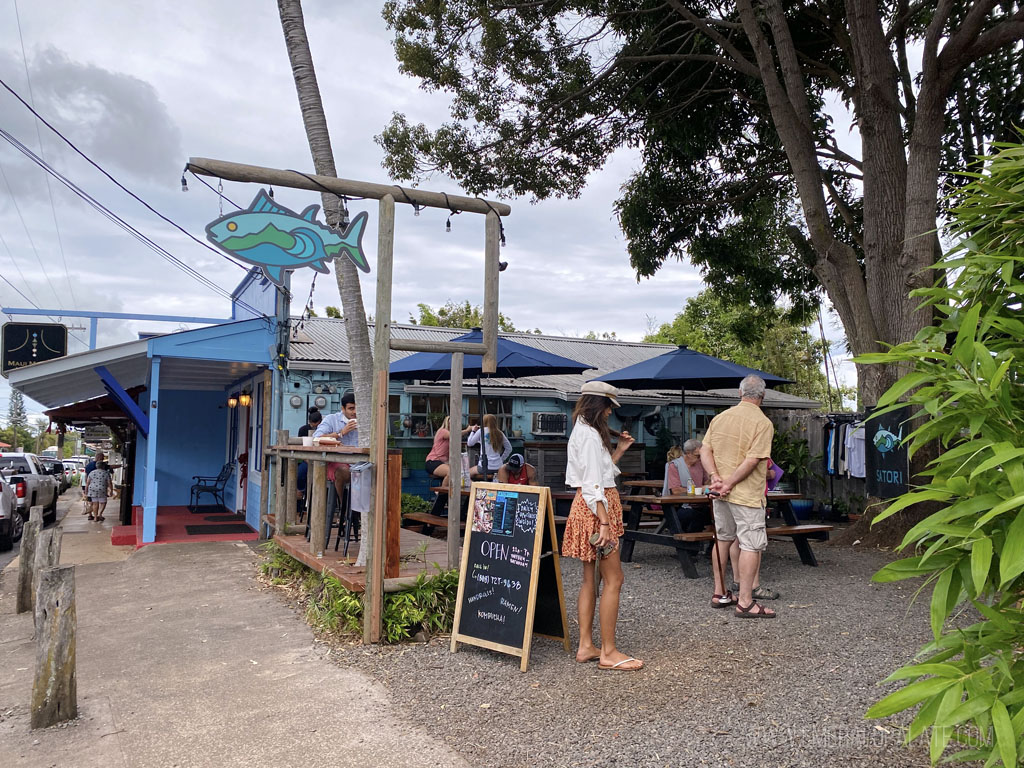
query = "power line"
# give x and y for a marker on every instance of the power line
(14, 261)
(42, 153)
(26, 298)
(117, 220)
(32, 242)
(121, 186)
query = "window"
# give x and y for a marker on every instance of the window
(428, 413)
(499, 406)
(14, 463)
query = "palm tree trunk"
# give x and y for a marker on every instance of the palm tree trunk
(360, 352)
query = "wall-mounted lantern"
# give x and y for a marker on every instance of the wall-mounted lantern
(232, 401)
(245, 400)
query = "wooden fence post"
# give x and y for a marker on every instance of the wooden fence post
(318, 508)
(393, 528)
(47, 554)
(55, 687)
(291, 493)
(26, 567)
(36, 514)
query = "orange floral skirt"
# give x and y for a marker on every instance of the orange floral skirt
(582, 524)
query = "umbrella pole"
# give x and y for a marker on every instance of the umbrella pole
(683, 438)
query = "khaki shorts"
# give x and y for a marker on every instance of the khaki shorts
(736, 521)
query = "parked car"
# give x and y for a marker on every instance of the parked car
(74, 468)
(11, 522)
(33, 484)
(58, 470)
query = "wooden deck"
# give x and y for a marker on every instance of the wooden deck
(414, 558)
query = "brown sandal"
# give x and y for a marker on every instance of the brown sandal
(722, 601)
(754, 611)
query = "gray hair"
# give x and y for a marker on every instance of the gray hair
(692, 445)
(752, 387)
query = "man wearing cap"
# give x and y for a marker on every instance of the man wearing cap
(516, 471)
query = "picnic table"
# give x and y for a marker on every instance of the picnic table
(643, 485)
(433, 519)
(687, 545)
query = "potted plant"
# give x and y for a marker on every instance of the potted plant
(791, 452)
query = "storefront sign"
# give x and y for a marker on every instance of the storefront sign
(27, 343)
(886, 460)
(277, 240)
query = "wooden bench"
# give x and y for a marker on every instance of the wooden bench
(430, 522)
(800, 534)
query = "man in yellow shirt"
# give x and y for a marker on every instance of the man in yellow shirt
(735, 447)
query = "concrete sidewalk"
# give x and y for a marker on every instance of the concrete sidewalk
(184, 660)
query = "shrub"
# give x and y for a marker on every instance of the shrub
(412, 503)
(427, 606)
(965, 381)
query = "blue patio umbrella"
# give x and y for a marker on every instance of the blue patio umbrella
(682, 368)
(514, 360)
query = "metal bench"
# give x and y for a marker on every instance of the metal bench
(212, 484)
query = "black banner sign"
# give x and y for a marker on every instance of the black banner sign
(885, 454)
(26, 343)
(510, 567)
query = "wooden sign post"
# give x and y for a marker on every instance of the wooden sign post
(510, 583)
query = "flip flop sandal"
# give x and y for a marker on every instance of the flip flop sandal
(750, 613)
(91, 518)
(765, 593)
(617, 667)
(722, 601)
(100, 519)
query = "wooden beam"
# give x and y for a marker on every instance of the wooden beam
(291, 491)
(455, 460)
(318, 507)
(492, 255)
(280, 505)
(419, 345)
(256, 174)
(393, 528)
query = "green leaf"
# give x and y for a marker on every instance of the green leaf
(920, 670)
(909, 695)
(901, 387)
(910, 567)
(940, 596)
(1005, 738)
(1002, 455)
(971, 708)
(914, 497)
(981, 561)
(941, 736)
(1011, 558)
(963, 347)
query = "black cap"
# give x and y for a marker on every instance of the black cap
(515, 462)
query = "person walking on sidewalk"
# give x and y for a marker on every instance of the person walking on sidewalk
(97, 490)
(595, 522)
(736, 445)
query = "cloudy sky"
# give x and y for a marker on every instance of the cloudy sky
(142, 86)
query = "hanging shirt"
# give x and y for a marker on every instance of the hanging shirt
(855, 451)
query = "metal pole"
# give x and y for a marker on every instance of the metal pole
(92, 333)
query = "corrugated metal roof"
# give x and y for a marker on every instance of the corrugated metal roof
(323, 340)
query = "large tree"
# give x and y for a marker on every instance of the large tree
(766, 338)
(731, 105)
(335, 210)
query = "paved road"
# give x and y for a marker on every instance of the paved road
(69, 497)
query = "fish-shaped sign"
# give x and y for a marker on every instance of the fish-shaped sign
(276, 239)
(885, 440)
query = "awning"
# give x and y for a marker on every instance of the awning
(97, 410)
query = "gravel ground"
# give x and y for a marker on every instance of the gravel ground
(715, 691)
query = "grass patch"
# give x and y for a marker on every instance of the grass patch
(427, 606)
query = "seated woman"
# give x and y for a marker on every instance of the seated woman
(683, 468)
(495, 448)
(437, 460)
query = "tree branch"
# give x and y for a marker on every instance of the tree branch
(743, 64)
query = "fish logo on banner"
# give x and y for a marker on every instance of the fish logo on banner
(277, 240)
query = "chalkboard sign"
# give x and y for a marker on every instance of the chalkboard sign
(510, 583)
(885, 454)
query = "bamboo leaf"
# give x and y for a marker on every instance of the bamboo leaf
(920, 670)
(1005, 739)
(971, 708)
(963, 347)
(908, 696)
(938, 606)
(941, 736)
(981, 561)
(901, 387)
(1011, 558)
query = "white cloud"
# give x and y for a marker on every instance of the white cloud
(141, 87)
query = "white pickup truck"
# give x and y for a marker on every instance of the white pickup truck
(11, 524)
(32, 485)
